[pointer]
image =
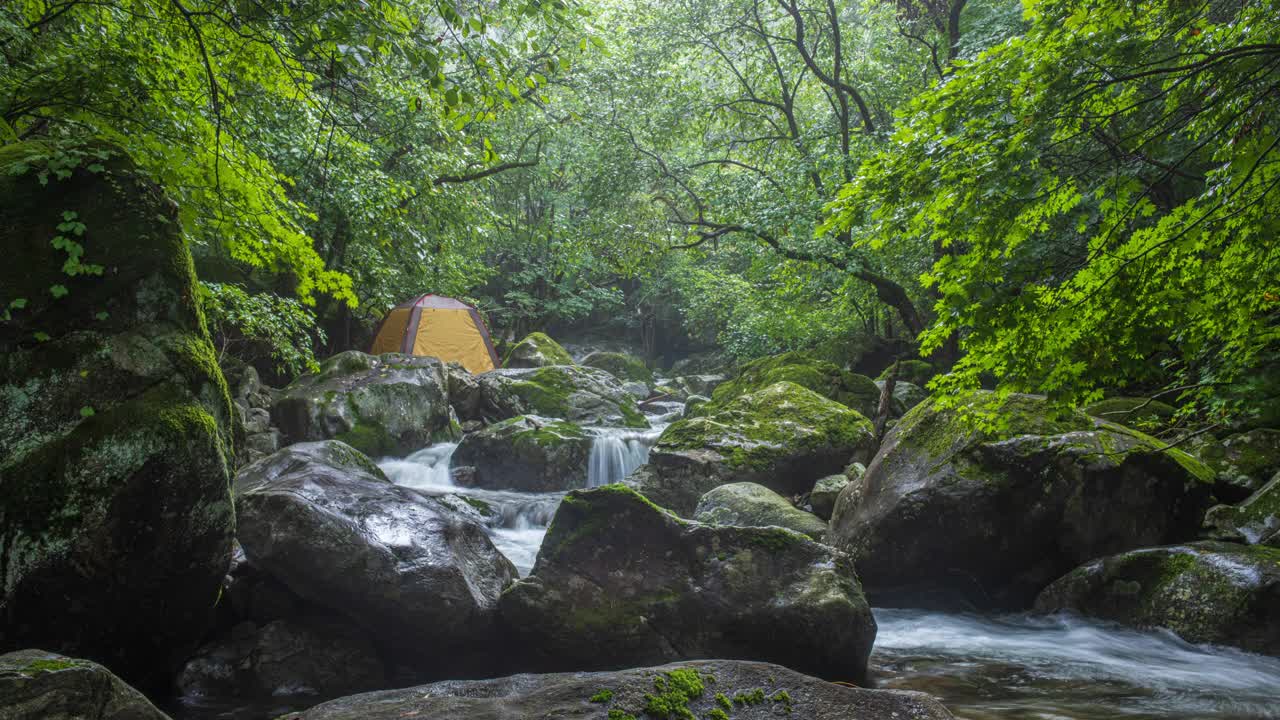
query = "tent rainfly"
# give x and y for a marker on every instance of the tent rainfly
(440, 327)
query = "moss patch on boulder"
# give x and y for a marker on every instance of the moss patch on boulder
(825, 378)
(620, 365)
(537, 349)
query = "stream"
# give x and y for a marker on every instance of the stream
(1008, 667)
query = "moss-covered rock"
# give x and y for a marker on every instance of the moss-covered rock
(38, 685)
(537, 350)
(529, 453)
(1139, 413)
(951, 513)
(620, 582)
(322, 520)
(850, 389)
(916, 372)
(1206, 592)
(752, 505)
(115, 422)
(388, 404)
(825, 492)
(784, 437)
(1254, 521)
(905, 396)
(621, 365)
(583, 395)
(621, 694)
(1242, 462)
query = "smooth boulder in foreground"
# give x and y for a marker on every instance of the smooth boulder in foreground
(950, 514)
(422, 578)
(39, 685)
(621, 582)
(695, 689)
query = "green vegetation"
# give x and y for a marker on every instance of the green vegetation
(675, 690)
(1075, 198)
(603, 696)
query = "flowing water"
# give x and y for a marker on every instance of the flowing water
(1021, 667)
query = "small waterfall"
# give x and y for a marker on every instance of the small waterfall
(426, 469)
(616, 452)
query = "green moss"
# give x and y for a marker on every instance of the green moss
(1140, 413)
(916, 372)
(49, 665)
(755, 697)
(485, 508)
(620, 365)
(368, 438)
(783, 697)
(616, 714)
(775, 539)
(824, 378)
(540, 347)
(717, 714)
(723, 701)
(603, 696)
(674, 691)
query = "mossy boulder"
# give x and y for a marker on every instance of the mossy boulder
(1242, 462)
(116, 440)
(537, 350)
(952, 512)
(827, 379)
(528, 453)
(905, 396)
(1254, 521)
(1136, 412)
(783, 436)
(1206, 592)
(621, 582)
(322, 520)
(621, 365)
(752, 505)
(700, 688)
(916, 372)
(583, 395)
(691, 385)
(388, 404)
(39, 685)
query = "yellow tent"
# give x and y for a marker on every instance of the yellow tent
(440, 327)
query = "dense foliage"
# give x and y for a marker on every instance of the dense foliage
(1058, 196)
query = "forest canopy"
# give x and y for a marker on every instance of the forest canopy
(1069, 197)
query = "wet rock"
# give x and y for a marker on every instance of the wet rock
(698, 384)
(1139, 413)
(1206, 592)
(823, 496)
(784, 437)
(850, 389)
(752, 505)
(621, 582)
(464, 392)
(741, 690)
(621, 365)
(116, 426)
(537, 350)
(388, 404)
(583, 395)
(1254, 521)
(954, 515)
(703, 363)
(637, 390)
(905, 397)
(693, 403)
(326, 523)
(38, 685)
(528, 453)
(1242, 462)
(318, 655)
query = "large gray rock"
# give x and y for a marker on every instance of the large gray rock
(528, 453)
(1243, 462)
(827, 490)
(1254, 521)
(388, 404)
(584, 395)
(537, 350)
(423, 578)
(621, 582)
(37, 685)
(115, 425)
(621, 365)
(752, 505)
(950, 513)
(1206, 592)
(784, 437)
(465, 395)
(317, 655)
(825, 378)
(750, 691)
